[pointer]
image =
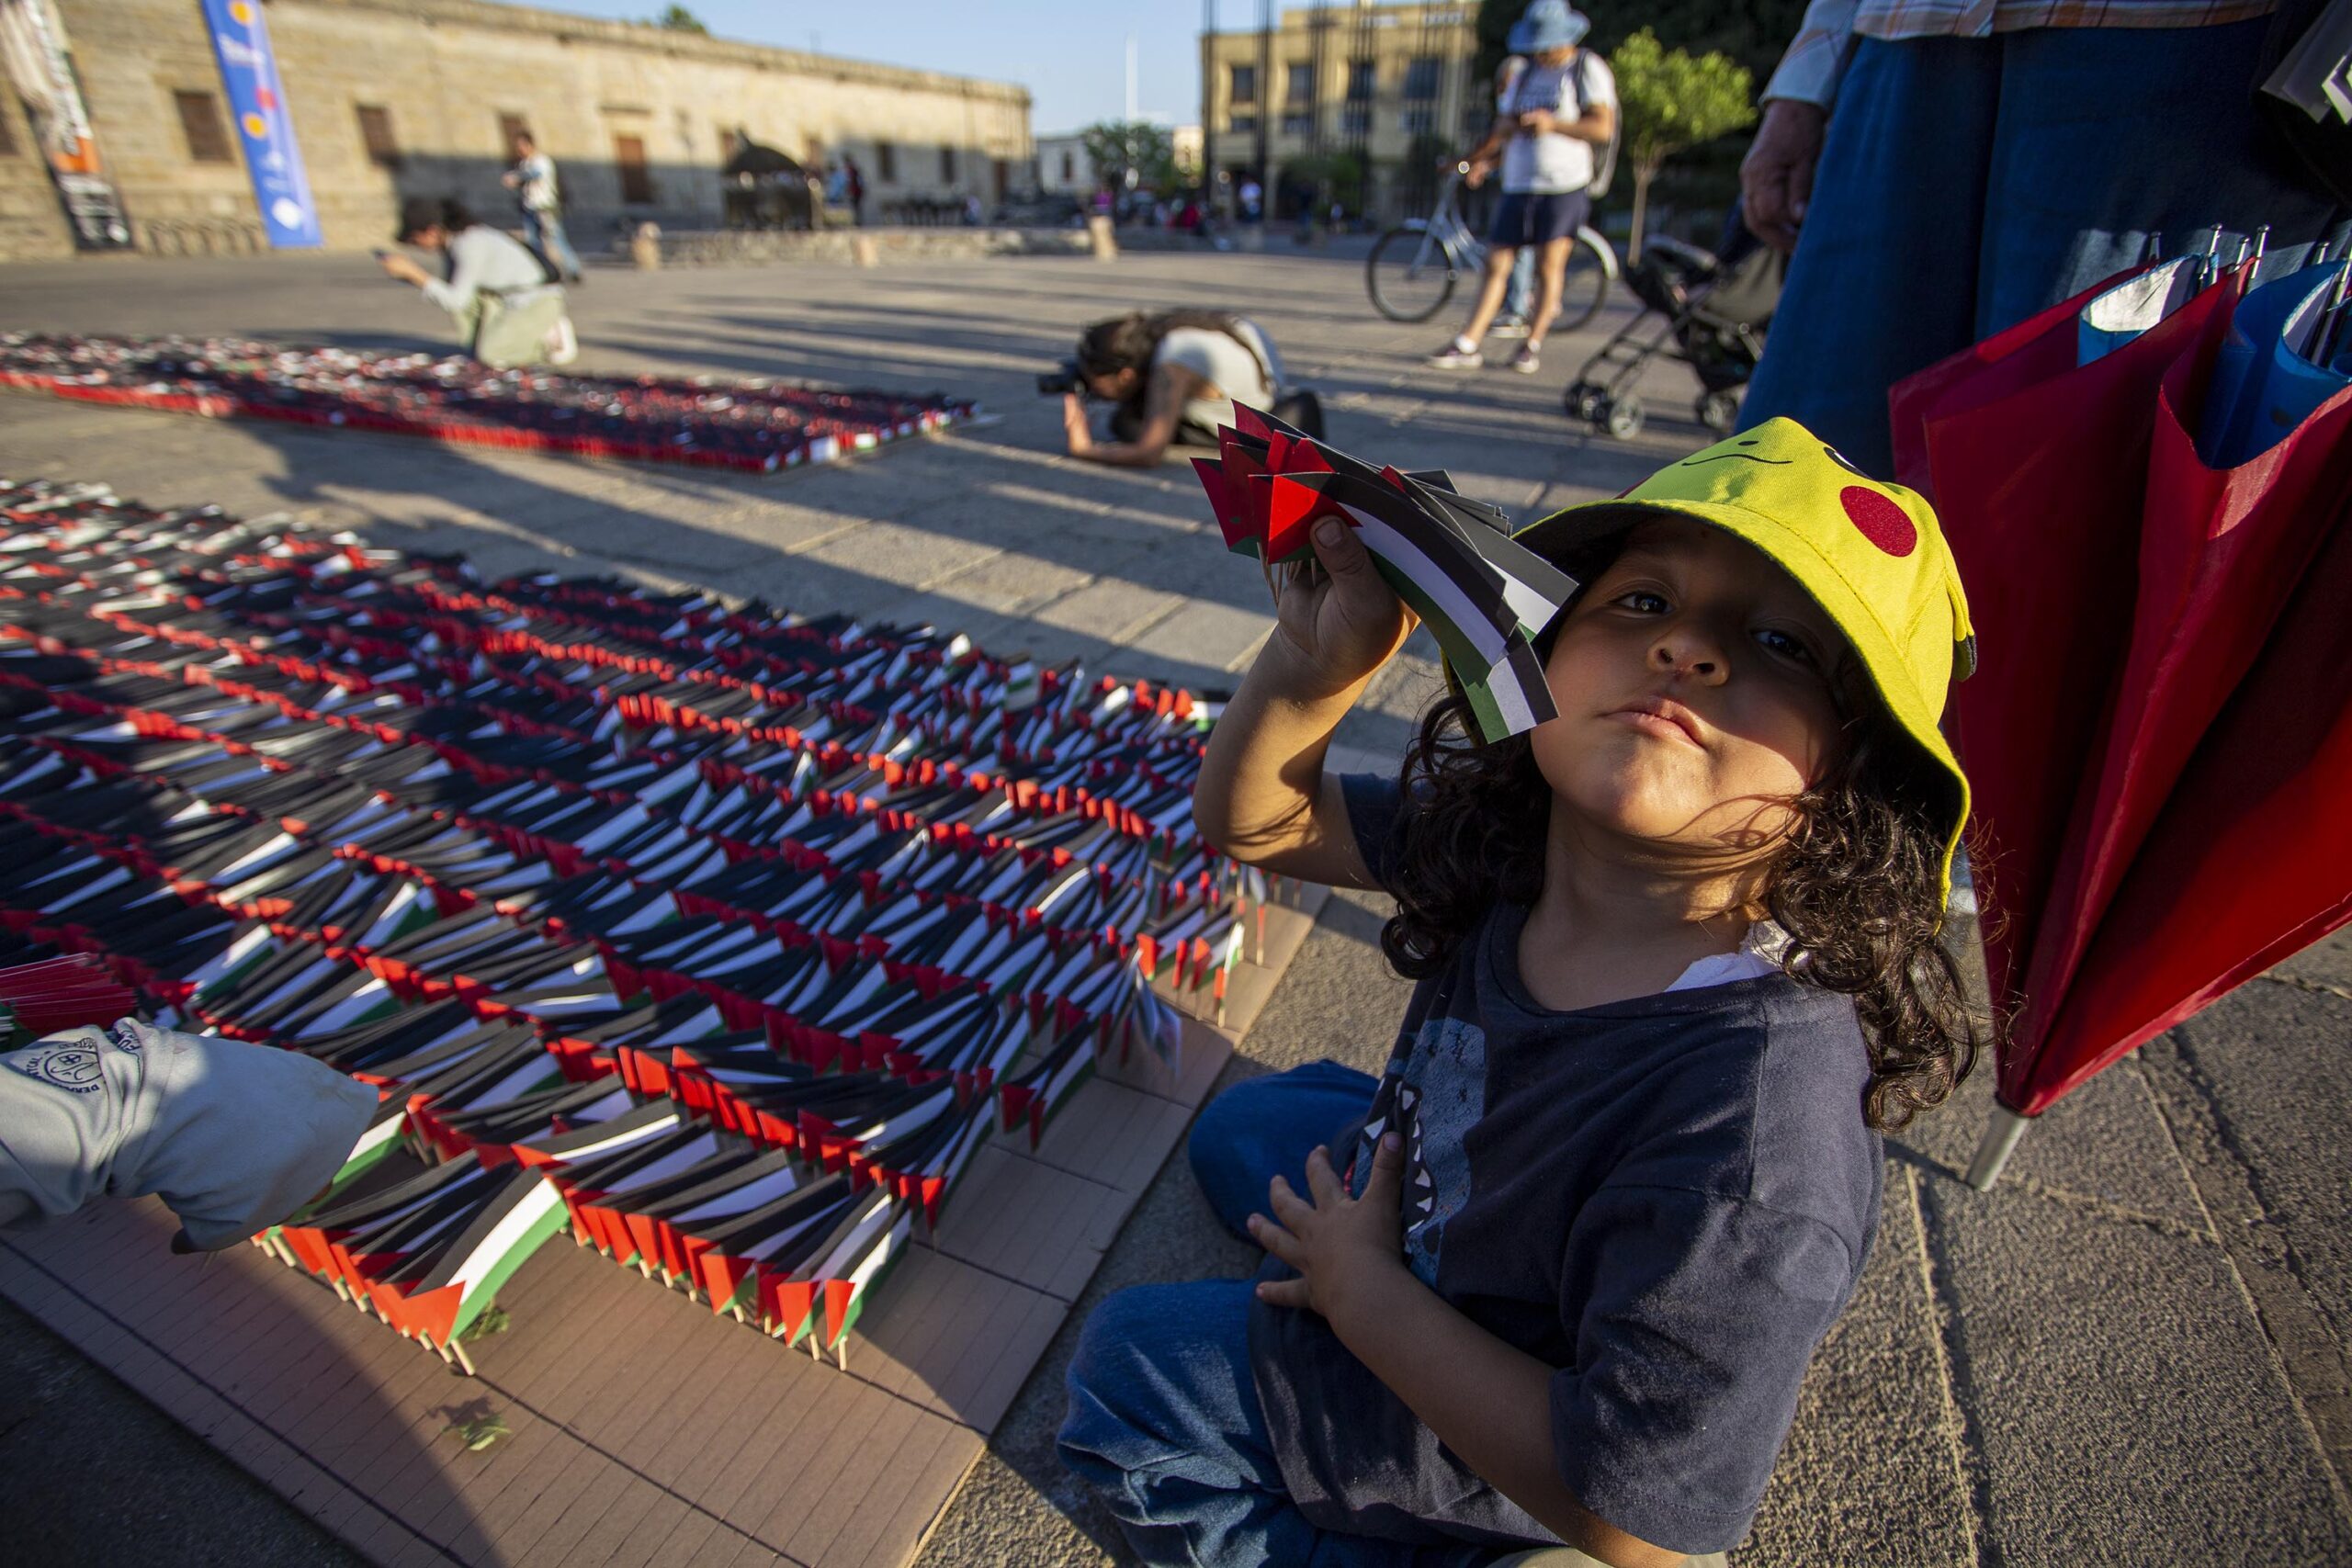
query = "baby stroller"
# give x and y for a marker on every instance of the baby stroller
(1715, 307)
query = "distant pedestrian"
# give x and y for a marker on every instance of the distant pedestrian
(1547, 137)
(1253, 199)
(507, 304)
(532, 180)
(856, 181)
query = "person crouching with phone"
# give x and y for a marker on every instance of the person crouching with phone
(1173, 379)
(504, 297)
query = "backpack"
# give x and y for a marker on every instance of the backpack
(1604, 159)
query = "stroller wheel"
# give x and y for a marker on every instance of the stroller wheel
(1583, 403)
(1623, 417)
(1719, 412)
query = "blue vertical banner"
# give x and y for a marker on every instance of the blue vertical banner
(249, 70)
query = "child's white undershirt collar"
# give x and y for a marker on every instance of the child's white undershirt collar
(1760, 954)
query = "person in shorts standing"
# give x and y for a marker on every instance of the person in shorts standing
(533, 181)
(1560, 111)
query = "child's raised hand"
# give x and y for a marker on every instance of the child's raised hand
(1343, 1248)
(1339, 623)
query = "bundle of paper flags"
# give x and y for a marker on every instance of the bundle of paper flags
(760, 425)
(58, 993)
(1483, 597)
(722, 935)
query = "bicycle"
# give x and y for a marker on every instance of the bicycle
(1414, 266)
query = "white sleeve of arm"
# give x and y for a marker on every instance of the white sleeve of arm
(233, 1137)
(1809, 72)
(457, 294)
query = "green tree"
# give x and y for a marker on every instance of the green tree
(1119, 149)
(1672, 100)
(678, 19)
(1753, 32)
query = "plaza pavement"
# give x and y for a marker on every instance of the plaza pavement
(2133, 1351)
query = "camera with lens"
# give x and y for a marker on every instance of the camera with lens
(1063, 377)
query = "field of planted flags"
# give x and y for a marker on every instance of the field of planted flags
(721, 937)
(711, 421)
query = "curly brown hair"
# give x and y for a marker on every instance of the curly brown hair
(1856, 882)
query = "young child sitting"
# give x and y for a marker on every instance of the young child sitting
(1555, 1276)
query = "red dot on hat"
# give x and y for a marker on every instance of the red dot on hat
(1881, 521)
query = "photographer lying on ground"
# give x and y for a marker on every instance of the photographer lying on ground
(1173, 379)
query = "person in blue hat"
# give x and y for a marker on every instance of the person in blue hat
(1548, 130)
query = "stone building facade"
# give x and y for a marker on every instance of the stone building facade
(1363, 97)
(398, 98)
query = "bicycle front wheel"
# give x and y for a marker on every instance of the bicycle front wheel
(1584, 287)
(1410, 275)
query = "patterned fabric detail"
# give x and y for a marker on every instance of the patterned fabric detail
(69, 1064)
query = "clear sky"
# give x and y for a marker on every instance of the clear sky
(1070, 54)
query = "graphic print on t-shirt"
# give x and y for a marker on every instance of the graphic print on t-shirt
(1432, 1097)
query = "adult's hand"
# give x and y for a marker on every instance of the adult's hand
(398, 265)
(1076, 436)
(1776, 177)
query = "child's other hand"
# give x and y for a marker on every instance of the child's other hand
(1343, 1248)
(1341, 623)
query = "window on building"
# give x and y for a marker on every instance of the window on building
(510, 125)
(637, 180)
(1424, 75)
(1244, 88)
(208, 137)
(885, 162)
(947, 165)
(376, 135)
(1416, 119)
(1070, 166)
(1476, 117)
(1299, 122)
(1362, 76)
(1302, 84)
(1241, 124)
(1355, 119)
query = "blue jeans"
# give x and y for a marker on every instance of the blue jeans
(1164, 1419)
(545, 232)
(1968, 182)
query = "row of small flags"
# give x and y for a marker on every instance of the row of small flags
(735, 1010)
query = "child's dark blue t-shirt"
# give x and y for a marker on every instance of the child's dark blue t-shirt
(1669, 1199)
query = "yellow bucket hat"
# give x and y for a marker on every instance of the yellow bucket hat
(1871, 555)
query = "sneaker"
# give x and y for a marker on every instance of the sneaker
(1453, 357)
(1527, 361)
(563, 343)
(1508, 326)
